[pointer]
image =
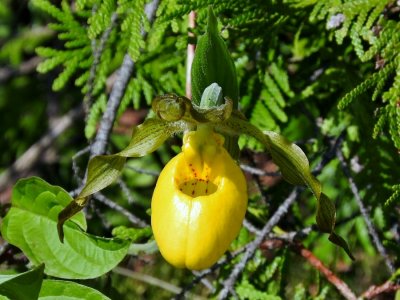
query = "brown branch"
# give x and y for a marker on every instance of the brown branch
(25, 68)
(340, 285)
(387, 287)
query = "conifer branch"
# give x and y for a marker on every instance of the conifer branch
(99, 145)
(229, 283)
(97, 51)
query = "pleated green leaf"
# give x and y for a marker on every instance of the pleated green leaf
(30, 225)
(68, 290)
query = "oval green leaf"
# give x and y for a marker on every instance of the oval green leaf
(67, 290)
(31, 223)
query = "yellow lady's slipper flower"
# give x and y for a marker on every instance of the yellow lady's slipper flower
(199, 202)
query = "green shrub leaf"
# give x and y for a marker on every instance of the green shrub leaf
(67, 290)
(30, 225)
(25, 286)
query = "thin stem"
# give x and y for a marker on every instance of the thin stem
(151, 280)
(340, 285)
(126, 191)
(364, 212)
(131, 217)
(75, 167)
(257, 171)
(144, 171)
(374, 291)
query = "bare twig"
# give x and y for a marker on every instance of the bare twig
(202, 274)
(24, 68)
(205, 282)
(257, 171)
(75, 167)
(126, 191)
(131, 217)
(27, 160)
(374, 291)
(100, 142)
(152, 281)
(124, 73)
(190, 55)
(143, 171)
(364, 212)
(340, 285)
(250, 227)
(253, 246)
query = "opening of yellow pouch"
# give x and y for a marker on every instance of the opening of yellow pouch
(197, 187)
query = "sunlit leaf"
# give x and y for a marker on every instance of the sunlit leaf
(150, 135)
(30, 225)
(68, 290)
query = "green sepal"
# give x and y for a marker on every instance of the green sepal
(325, 214)
(213, 63)
(103, 170)
(215, 114)
(294, 167)
(338, 240)
(24, 286)
(150, 135)
(212, 96)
